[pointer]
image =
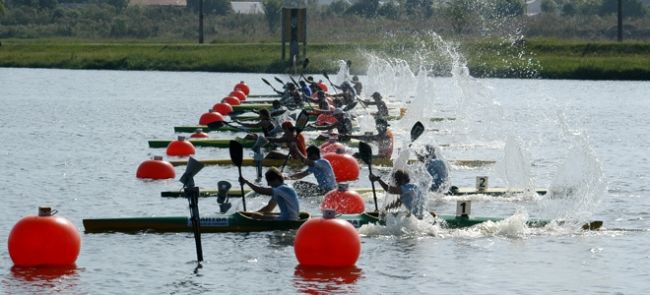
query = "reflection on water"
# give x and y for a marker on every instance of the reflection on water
(316, 280)
(41, 280)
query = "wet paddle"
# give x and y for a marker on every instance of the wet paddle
(268, 83)
(216, 125)
(365, 153)
(192, 194)
(237, 156)
(301, 123)
(416, 131)
(328, 80)
(279, 81)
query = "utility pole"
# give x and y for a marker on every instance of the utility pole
(620, 20)
(200, 21)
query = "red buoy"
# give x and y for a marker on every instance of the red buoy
(243, 88)
(343, 200)
(324, 119)
(209, 117)
(156, 169)
(346, 167)
(199, 134)
(327, 242)
(238, 94)
(231, 100)
(180, 148)
(222, 108)
(44, 240)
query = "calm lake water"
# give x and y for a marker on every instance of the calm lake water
(73, 140)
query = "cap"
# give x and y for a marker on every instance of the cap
(376, 95)
(287, 124)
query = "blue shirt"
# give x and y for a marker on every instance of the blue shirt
(438, 171)
(324, 174)
(287, 200)
(306, 90)
(411, 197)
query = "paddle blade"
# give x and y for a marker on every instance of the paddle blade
(326, 76)
(265, 81)
(305, 63)
(279, 81)
(365, 152)
(350, 106)
(193, 167)
(215, 125)
(302, 120)
(236, 153)
(417, 130)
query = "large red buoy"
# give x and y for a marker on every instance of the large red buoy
(222, 108)
(209, 117)
(343, 200)
(327, 242)
(243, 88)
(324, 119)
(238, 94)
(231, 100)
(156, 169)
(198, 133)
(346, 167)
(180, 147)
(44, 240)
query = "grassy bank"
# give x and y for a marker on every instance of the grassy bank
(564, 59)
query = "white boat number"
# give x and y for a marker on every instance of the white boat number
(211, 221)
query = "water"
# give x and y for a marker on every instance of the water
(73, 140)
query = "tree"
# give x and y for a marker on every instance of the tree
(460, 13)
(2, 7)
(367, 8)
(549, 6)
(338, 7)
(569, 9)
(218, 7)
(509, 8)
(631, 8)
(422, 8)
(273, 12)
(389, 10)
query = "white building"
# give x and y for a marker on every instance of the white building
(248, 7)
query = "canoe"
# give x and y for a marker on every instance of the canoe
(462, 191)
(294, 162)
(192, 128)
(204, 142)
(238, 222)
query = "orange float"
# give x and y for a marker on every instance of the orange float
(324, 119)
(346, 167)
(199, 134)
(343, 200)
(44, 240)
(243, 88)
(210, 117)
(222, 108)
(327, 242)
(231, 100)
(238, 94)
(180, 148)
(155, 168)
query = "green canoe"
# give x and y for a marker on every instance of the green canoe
(294, 162)
(192, 128)
(239, 222)
(204, 142)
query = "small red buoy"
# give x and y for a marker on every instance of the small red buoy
(155, 169)
(331, 147)
(199, 134)
(238, 94)
(222, 108)
(343, 200)
(243, 88)
(209, 117)
(327, 242)
(324, 119)
(231, 100)
(346, 167)
(180, 148)
(44, 240)
(322, 86)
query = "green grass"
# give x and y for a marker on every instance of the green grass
(566, 59)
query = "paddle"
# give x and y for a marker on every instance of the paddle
(268, 83)
(279, 81)
(416, 131)
(328, 79)
(237, 156)
(216, 125)
(365, 153)
(301, 122)
(192, 193)
(305, 63)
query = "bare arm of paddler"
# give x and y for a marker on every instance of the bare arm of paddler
(296, 176)
(258, 189)
(389, 188)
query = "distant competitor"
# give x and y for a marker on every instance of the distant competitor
(384, 138)
(382, 108)
(295, 143)
(282, 195)
(436, 167)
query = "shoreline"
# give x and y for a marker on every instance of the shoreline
(551, 59)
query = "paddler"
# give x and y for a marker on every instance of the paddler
(410, 194)
(348, 94)
(282, 195)
(382, 108)
(384, 138)
(356, 84)
(295, 143)
(343, 123)
(436, 167)
(306, 91)
(265, 123)
(322, 170)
